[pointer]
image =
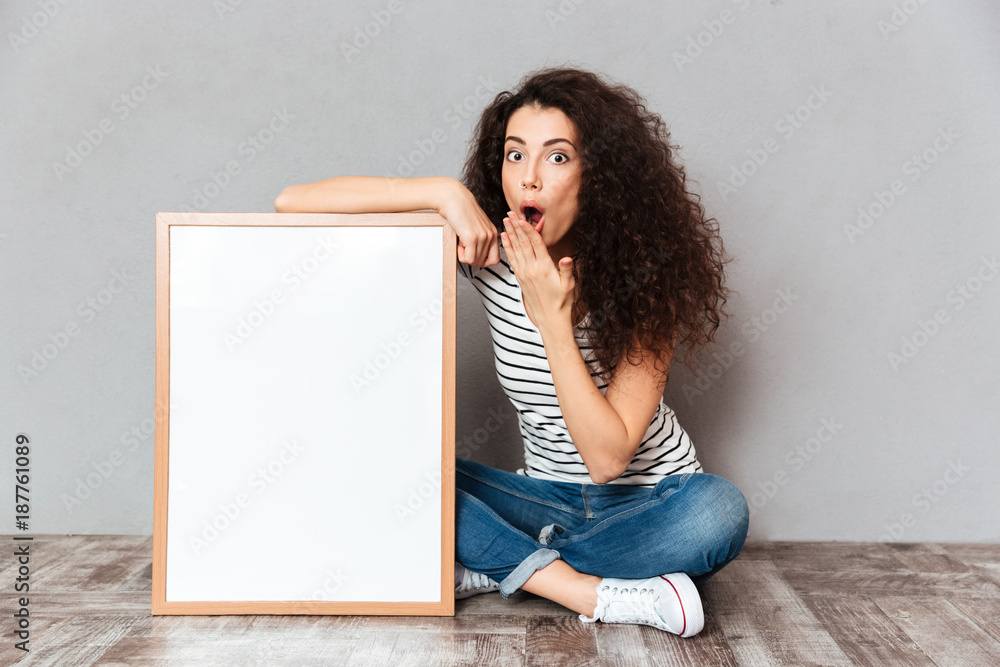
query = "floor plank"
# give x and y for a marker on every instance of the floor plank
(779, 603)
(373, 649)
(864, 633)
(877, 569)
(623, 646)
(521, 604)
(984, 613)
(244, 640)
(989, 571)
(44, 633)
(708, 647)
(943, 632)
(560, 640)
(765, 622)
(928, 558)
(77, 641)
(973, 553)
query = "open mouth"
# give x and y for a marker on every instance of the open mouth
(535, 217)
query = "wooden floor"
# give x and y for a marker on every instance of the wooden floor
(829, 603)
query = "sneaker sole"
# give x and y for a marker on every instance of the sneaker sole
(693, 613)
(476, 591)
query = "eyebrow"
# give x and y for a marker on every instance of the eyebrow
(547, 143)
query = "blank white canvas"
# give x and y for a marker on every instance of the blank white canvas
(305, 450)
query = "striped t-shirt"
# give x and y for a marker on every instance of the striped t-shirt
(524, 374)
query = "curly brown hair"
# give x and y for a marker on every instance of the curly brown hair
(648, 263)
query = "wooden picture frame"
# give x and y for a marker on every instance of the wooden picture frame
(302, 465)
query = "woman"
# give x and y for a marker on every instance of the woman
(604, 264)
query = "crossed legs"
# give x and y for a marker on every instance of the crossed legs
(559, 582)
(693, 523)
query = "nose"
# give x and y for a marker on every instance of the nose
(530, 176)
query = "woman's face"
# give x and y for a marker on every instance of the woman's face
(540, 147)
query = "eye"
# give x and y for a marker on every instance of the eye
(563, 158)
(513, 151)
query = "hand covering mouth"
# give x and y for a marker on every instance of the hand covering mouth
(533, 213)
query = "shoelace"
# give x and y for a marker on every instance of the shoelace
(474, 580)
(630, 604)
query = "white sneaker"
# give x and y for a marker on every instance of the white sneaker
(669, 602)
(469, 583)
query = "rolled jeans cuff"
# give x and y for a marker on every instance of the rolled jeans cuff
(523, 572)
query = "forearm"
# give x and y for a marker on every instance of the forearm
(597, 431)
(363, 194)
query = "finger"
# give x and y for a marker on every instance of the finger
(508, 247)
(493, 256)
(515, 266)
(468, 252)
(526, 226)
(520, 236)
(515, 250)
(513, 247)
(527, 247)
(527, 253)
(478, 250)
(566, 270)
(489, 247)
(532, 236)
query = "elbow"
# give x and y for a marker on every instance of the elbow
(614, 475)
(613, 469)
(602, 480)
(283, 203)
(610, 473)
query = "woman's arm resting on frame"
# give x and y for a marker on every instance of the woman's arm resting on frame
(363, 194)
(478, 241)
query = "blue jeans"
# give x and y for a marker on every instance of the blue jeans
(509, 525)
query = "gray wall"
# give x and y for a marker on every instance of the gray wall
(829, 435)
